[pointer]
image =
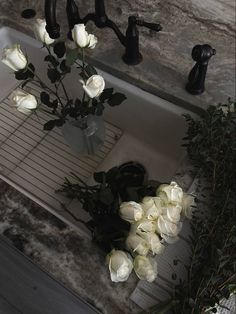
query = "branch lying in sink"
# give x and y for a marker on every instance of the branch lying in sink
(211, 146)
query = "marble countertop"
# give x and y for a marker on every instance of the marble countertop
(74, 261)
(166, 55)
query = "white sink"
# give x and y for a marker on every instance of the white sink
(152, 127)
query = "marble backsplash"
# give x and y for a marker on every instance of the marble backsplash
(167, 55)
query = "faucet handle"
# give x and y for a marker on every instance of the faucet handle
(152, 26)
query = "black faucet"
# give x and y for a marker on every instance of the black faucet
(130, 41)
(196, 79)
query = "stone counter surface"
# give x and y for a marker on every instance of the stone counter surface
(166, 55)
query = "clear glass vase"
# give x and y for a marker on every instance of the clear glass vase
(85, 135)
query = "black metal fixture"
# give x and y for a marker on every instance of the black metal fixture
(196, 79)
(130, 40)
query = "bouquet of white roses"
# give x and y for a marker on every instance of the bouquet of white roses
(132, 231)
(54, 99)
(155, 221)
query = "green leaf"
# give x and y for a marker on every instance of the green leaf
(106, 196)
(52, 60)
(54, 75)
(48, 126)
(71, 57)
(44, 97)
(64, 68)
(90, 70)
(106, 94)
(59, 49)
(116, 99)
(99, 177)
(24, 74)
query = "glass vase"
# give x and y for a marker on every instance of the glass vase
(84, 135)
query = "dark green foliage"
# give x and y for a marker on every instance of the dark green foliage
(54, 75)
(71, 57)
(59, 49)
(64, 68)
(59, 65)
(52, 60)
(25, 74)
(211, 147)
(102, 202)
(48, 126)
(116, 99)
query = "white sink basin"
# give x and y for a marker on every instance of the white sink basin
(152, 128)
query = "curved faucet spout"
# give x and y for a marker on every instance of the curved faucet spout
(52, 27)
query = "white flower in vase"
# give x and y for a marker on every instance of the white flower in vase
(41, 32)
(94, 86)
(23, 101)
(14, 58)
(81, 37)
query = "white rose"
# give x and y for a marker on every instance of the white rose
(152, 207)
(131, 211)
(168, 230)
(94, 86)
(82, 38)
(41, 33)
(145, 268)
(170, 193)
(23, 101)
(173, 212)
(137, 244)
(154, 242)
(187, 203)
(120, 265)
(14, 57)
(143, 226)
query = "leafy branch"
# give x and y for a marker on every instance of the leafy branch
(211, 272)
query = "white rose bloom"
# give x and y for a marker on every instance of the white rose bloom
(152, 207)
(145, 268)
(170, 193)
(173, 213)
(187, 203)
(13, 57)
(94, 86)
(154, 242)
(23, 101)
(120, 265)
(143, 226)
(137, 244)
(131, 211)
(41, 33)
(82, 38)
(167, 229)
